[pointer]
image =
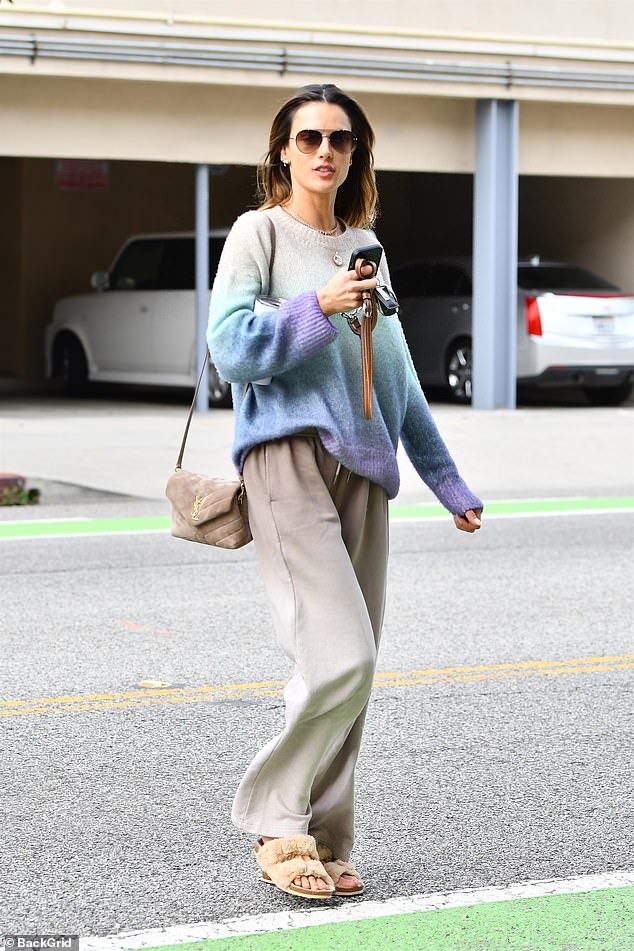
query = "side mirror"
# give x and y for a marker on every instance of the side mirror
(100, 280)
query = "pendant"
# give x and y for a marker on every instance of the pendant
(337, 259)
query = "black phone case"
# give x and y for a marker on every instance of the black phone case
(371, 252)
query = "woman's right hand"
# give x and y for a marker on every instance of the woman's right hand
(343, 292)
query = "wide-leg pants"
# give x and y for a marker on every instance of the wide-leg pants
(321, 538)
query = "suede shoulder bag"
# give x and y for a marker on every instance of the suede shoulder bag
(204, 508)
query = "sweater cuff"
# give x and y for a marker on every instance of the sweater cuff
(309, 327)
(456, 496)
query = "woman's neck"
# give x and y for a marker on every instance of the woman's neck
(318, 214)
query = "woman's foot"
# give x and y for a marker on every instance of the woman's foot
(310, 882)
(349, 881)
(345, 876)
(310, 885)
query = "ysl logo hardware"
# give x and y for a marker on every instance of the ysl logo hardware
(196, 509)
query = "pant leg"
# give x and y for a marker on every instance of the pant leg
(323, 624)
(364, 518)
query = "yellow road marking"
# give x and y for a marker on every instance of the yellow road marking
(273, 688)
(518, 665)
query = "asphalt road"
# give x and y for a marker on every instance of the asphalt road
(496, 769)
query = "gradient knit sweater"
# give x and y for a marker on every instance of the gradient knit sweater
(314, 361)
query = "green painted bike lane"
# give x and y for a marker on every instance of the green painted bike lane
(34, 528)
(602, 920)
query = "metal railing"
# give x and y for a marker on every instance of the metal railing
(286, 60)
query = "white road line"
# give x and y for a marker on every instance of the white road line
(283, 921)
(62, 535)
(394, 520)
(489, 516)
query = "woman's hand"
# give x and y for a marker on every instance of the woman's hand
(470, 521)
(343, 292)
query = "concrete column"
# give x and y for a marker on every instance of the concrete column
(495, 255)
(202, 281)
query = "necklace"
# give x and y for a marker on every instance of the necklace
(329, 234)
(337, 259)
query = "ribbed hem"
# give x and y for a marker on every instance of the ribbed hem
(376, 465)
(456, 496)
(310, 329)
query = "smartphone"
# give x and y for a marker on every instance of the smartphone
(372, 252)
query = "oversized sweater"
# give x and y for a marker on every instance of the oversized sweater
(314, 361)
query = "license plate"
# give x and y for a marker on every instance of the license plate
(603, 325)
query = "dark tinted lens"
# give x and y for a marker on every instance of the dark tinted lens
(308, 140)
(342, 140)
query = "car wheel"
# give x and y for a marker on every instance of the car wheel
(69, 364)
(458, 370)
(219, 390)
(608, 395)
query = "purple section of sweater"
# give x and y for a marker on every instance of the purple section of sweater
(381, 467)
(306, 327)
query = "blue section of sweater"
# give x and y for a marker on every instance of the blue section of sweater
(314, 362)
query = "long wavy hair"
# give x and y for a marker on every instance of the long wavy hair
(357, 197)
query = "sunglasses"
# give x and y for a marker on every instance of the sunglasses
(309, 140)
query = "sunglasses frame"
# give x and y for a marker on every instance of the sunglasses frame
(326, 135)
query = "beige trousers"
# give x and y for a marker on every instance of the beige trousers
(321, 537)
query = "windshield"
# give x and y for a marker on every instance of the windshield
(560, 277)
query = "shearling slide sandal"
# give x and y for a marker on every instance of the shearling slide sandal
(337, 868)
(281, 863)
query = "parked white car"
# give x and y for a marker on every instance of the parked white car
(139, 323)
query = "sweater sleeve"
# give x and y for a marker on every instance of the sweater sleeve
(427, 451)
(247, 347)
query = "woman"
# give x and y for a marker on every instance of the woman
(318, 474)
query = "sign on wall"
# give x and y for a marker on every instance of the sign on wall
(82, 175)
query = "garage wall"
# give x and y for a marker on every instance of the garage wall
(587, 220)
(573, 139)
(423, 214)
(10, 260)
(111, 119)
(608, 20)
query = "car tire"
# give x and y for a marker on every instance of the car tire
(458, 370)
(70, 364)
(219, 390)
(608, 395)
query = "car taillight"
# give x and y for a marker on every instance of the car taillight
(533, 319)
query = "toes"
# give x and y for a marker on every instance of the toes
(310, 883)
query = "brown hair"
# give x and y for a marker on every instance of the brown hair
(357, 197)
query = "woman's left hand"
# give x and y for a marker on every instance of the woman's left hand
(470, 521)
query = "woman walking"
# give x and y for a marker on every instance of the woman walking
(318, 474)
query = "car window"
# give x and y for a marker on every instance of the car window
(558, 277)
(447, 280)
(431, 280)
(178, 270)
(139, 266)
(163, 264)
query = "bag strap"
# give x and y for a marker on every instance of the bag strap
(191, 413)
(207, 360)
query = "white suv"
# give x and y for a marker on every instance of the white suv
(139, 324)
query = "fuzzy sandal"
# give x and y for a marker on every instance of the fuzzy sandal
(281, 863)
(336, 868)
